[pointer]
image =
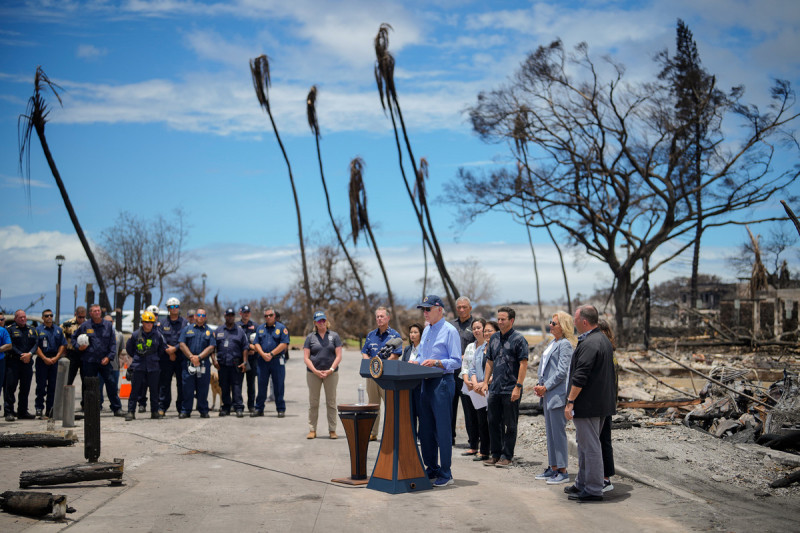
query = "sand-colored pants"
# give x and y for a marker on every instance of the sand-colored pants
(375, 394)
(314, 386)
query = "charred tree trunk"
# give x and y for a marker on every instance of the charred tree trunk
(72, 474)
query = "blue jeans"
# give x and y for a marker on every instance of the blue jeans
(106, 373)
(45, 384)
(277, 371)
(195, 384)
(143, 380)
(230, 382)
(17, 373)
(435, 433)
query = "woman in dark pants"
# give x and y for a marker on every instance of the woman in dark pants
(410, 355)
(605, 433)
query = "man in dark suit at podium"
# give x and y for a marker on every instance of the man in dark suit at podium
(440, 347)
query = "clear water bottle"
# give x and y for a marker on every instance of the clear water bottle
(362, 394)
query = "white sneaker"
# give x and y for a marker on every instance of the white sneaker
(607, 486)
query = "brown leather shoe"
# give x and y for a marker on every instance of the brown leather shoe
(491, 461)
(503, 463)
(311, 435)
(333, 435)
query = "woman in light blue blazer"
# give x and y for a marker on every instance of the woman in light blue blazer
(552, 389)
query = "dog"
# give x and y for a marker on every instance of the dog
(216, 390)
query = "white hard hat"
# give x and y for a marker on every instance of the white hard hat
(153, 309)
(173, 301)
(83, 339)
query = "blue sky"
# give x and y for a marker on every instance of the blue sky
(159, 112)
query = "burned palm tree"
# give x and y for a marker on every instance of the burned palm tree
(259, 68)
(313, 123)
(384, 78)
(35, 118)
(359, 221)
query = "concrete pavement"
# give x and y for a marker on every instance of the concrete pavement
(262, 474)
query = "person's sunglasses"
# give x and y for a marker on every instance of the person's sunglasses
(553, 323)
(426, 309)
(47, 316)
(173, 307)
(82, 317)
(201, 314)
(269, 315)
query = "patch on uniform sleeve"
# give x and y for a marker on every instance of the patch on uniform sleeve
(208, 333)
(285, 331)
(89, 331)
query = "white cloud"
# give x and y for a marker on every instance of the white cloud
(21, 182)
(90, 51)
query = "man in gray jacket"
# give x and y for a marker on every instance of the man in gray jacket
(589, 401)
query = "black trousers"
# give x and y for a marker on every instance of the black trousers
(502, 416)
(607, 448)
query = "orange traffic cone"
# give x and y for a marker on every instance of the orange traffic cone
(124, 388)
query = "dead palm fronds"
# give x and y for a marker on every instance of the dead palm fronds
(259, 68)
(359, 221)
(384, 78)
(758, 278)
(313, 123)
(35, 118)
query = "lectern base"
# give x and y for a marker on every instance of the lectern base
(399, 486)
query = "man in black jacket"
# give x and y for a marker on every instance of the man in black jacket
(589, 401)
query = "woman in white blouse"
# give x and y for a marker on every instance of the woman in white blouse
(474, 402)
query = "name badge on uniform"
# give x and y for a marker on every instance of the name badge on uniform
(44, 343)
(225, 344)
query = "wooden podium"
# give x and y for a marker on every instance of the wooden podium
(357, 421)
(398, 468)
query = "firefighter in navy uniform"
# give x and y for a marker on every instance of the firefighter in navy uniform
(19, 366)
(96, 356)
(249, 328)
(52, 346)
(172, 360)
(232, 348)
(272, 340)
(197, 343)
(146, 348)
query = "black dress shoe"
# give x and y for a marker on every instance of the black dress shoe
(256, 413)
(281, 414)
(204, 415)
(142, 409)
(39, 413)
(130, 416)
(10, 418)
(223, 413)
(240, 414)
(572, 489)
(119, 412)
(184, 415)
(156, 416)
(25, 416)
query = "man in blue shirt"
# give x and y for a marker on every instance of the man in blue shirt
(376, 339)
(172, 361)
(197, 342)
(249, 328)
(5, 345)
(52, 346)
(272, 340)
(439, 347)
(96, 357)
(507, 363)
(232, 348)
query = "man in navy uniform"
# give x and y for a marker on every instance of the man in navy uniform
(146, 348)
(197, 343)
(272, 340)
(249, 328)
(375, 340)
(232, 348)
(19, 366)
(172, 360)
(52, 346)
(439, 347)
(96, 357)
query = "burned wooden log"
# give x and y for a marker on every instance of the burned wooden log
(30, 439)
(91, 424)
(785, 481)
(780, 441)
(73, 474)
(657, 404)
(35, 504)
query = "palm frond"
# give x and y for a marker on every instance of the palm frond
(35, 116)
(311, 110)
(358, 198)
(384, 66)
(259, 69)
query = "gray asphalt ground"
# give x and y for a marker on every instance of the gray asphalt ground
(262, 474)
